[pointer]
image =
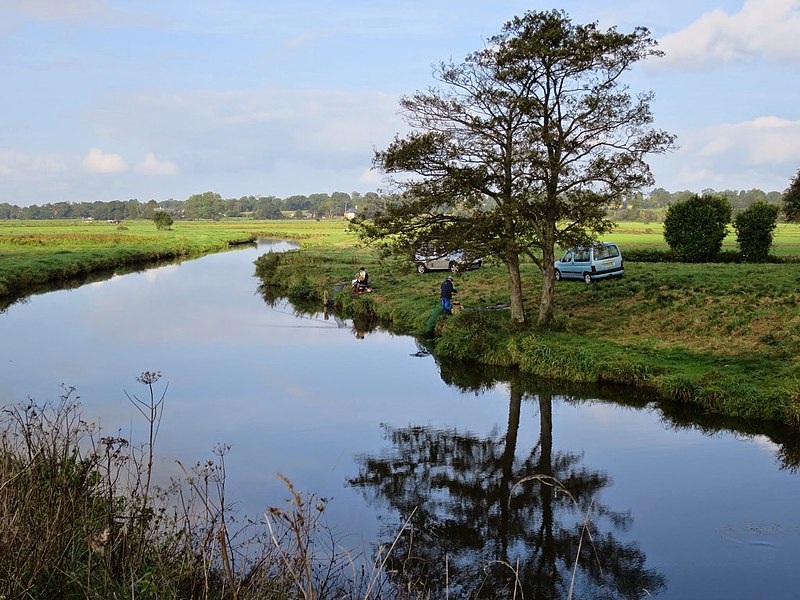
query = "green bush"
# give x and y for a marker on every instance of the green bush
(695, 228)
(649, 255)
(162, 219)
(754, 227)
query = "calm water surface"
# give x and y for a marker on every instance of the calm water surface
(680, 507)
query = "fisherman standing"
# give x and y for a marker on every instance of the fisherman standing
(447, 295)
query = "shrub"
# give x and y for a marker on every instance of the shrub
(754, 227)
(649, 255)
(303, 290)
(162, 219)
(695, 228)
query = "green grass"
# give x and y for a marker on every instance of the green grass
(37, 252)
(786, 237)
(725, 337)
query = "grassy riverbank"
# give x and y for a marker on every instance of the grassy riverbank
(725, 337)
(40, 252)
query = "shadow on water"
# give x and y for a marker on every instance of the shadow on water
(275, 298)
(82, 279)
(102, 274)
(675, 416)
(498, 519)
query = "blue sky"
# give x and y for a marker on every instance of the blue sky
(118, 99)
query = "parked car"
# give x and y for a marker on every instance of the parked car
(453, 261)
(597, 261)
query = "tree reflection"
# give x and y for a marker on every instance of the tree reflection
(488, 523)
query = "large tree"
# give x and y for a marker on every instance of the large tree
(791, 200)
(522, 147)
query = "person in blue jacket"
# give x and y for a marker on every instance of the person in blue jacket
(447, 295)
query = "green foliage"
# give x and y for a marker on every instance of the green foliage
(754, 227)
(267, 267)
(479, 182)
(695, 228)
(304, 290)
(650, 255)
(162, 219)
(791, 200)
(661, 327)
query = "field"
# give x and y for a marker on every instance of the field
(786, 240)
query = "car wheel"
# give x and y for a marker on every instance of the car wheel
(557, 275)
(453, 267)
(587, 277)
(421, 268)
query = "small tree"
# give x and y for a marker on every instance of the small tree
(754, 227)
(791, 200)
(695, 228)
(162, 219)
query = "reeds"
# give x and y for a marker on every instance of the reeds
(82, 518)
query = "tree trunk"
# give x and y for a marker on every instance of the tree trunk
(515, 285)
(548, 289)
(507, 479)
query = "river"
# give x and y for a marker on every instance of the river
(493, 466)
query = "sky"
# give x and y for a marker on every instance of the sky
(118, 99)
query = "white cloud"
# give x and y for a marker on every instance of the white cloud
(372, 178)
(761, 153)
(152, 166)
(762, 141)
(256, 130)
(19, 164)
(98, 161)
(761, 29)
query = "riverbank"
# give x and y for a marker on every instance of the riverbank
(723, 337)
(34, 253)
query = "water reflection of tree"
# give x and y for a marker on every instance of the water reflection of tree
(475, 527)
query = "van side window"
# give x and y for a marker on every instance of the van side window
(601, 252)
(582, 255)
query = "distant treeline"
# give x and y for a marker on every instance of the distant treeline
(210, 205)
(652, 207)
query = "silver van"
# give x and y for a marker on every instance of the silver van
(597, 261)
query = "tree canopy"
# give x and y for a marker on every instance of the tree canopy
(791, 200)
(522, 147)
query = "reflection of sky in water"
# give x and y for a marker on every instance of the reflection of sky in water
(303, 397)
